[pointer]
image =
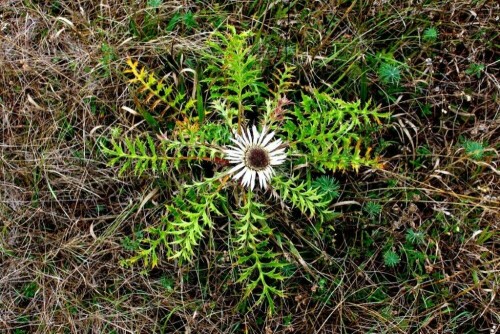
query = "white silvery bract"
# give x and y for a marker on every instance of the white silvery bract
(254, 155)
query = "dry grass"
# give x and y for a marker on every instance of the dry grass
(64, 214)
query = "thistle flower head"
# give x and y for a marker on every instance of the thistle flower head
(254, 155)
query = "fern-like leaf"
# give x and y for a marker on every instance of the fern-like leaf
(329, 132)
(158, 90)
(310, 201)
(261, 270)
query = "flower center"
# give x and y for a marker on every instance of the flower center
(257, 158)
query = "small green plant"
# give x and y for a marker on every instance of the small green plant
(29, 290)
(19, 331)
(475, 69)
(391, 258)
(474, 149)
(426, 110)
(148, 22)
(167, 283)
(66, 129)
(321, 132)
(389, 74)
(132, 244)
(416, 238)
(423, 153)
(373, 209)
(154, 3)
(430, 34)
(415, 259)
(187, 20)
(327, 185)
(321, 291)
(108, 56)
